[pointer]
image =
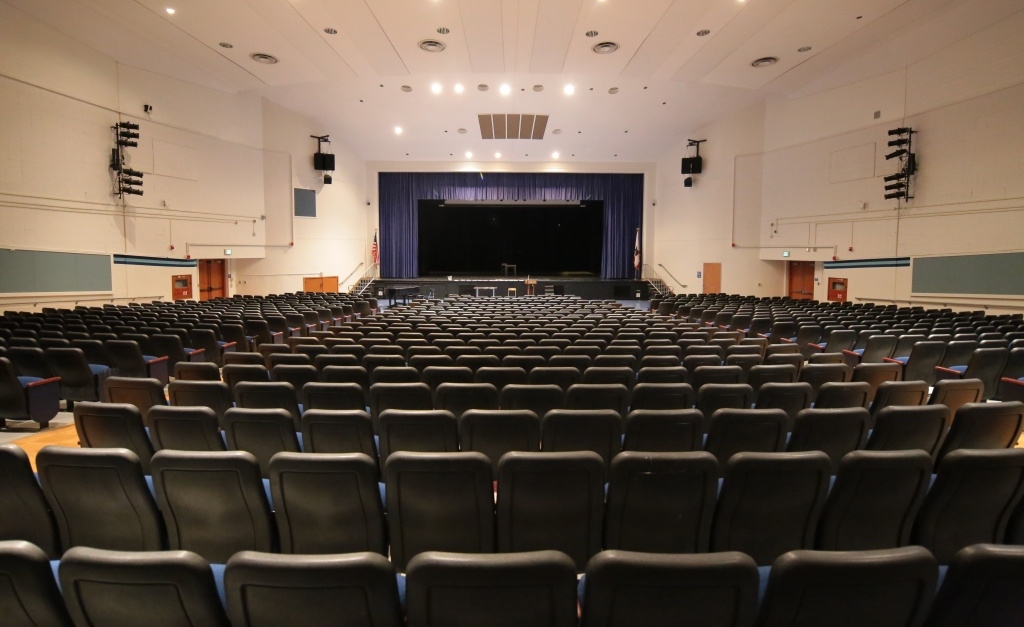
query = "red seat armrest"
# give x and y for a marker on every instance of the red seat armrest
(158, 359)
(36, 384)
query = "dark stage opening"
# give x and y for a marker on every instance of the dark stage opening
(543, 239)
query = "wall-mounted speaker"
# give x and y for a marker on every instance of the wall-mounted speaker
(323, 161)
(692, 165)
(688, 181)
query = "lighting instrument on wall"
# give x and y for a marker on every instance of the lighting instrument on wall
(323, 161)
(127, 182)
(692, 165)
(898, 185)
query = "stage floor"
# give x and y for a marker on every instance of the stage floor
(591, 288)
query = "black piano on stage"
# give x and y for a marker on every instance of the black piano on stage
(403, 292)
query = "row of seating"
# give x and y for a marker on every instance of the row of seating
(216, 504)
(891, 588)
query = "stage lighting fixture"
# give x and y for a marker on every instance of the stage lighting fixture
(895, 195)
(892, 186)
(896, 154)
(131, 172)
(900, 131)
(903, 141)
(893, 177)
(132, 182)
(130, 126)
(127, 143)
(131, 190)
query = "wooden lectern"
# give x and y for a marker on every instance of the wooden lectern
(530, 286)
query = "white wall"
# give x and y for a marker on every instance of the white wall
(218, 173)
(332, 244)
(713, 221)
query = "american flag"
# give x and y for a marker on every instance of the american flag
(374, 251)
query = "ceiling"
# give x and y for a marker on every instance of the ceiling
(356, 68)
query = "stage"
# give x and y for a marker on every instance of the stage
(590, 288)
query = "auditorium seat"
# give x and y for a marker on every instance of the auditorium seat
(875, 374)
(500, 376)
(562, 376)
(142, 393)
(899, 428)
(971, 501)
(460, 397)
(920, 364)
(758, 375)
(540, 399)
(214, 348)
(661, 502)
(411, 396)
(189, 428)
(243, 358)
(732, 431)
(155, 588)
(835, 432)
(665, 431)
(984, 426)
(212, 394)
(535, 588)
(262, 432)
(416, 430)
(843, 395)
(338, 396)
(626, 588)
(27, 398)
(614, 396)
(792, 398)
(79, 380)
(328, 503)
(954, 393)
(715, 396)
(662, 374)
(439, 502)
(240, 373)
(125, 519)
(113, 425)
(662, 396)
(268, 395)
(551, 501)
(350, 590)
(597, 430)
(25, 512)
(770, 503)
(983, 586)
(874, 500)
(29, 595)
(199, 371)
(985, 364)
(213, 503)
(884, 588)
(898, 393)
(495, 432)
(338, 431)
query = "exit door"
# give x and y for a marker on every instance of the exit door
(712, 278)
(212, 278)
(801, 280)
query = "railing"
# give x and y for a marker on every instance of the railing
(966, 302)
(368, 277)
(678, 282)
(345, 280)
(652, 277)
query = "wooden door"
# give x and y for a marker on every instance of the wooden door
(312, 284)
(801, 280)
(212, 278)
(712, 278)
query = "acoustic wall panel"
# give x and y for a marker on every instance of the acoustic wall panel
(23, 271)
(999, 273)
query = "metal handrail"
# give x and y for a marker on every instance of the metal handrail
(678, 282)
(345, 280)
(76, 301)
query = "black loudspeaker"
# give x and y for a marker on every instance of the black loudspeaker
(323, 161)
(692, 165)
(327, 179)
(688, 181)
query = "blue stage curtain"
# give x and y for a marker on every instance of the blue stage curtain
(400, 193)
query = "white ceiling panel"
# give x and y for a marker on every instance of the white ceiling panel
(287, 20)
(617, 22)
(556, 21)
(678, 24)
(484, 35)
(814, 23)
(408, 23)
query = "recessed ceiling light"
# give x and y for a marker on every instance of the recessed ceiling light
(605, 47)
(764, 61)
(469, 155)
(557, 131)
(592, 33)
(462, 131)
(804, 49)
(554, 155)
(497, 155)
(225, 44)
(263, 57)
(482, 87)
(703, 32)
(443, 30)
(170, 11)
(538, 88)
(331, 31)
(432, 45)
(459, 88)
(505, 89)
(613, 90)
(398, 130)
(406, 88)
(436, 88)
(569, 89)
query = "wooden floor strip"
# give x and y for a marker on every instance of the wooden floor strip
(59, 436)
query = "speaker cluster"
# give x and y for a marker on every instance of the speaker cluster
(898, 185)
(127, 182)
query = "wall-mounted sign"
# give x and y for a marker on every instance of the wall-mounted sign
(785, 253)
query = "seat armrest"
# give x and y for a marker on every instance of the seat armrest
(156, 360)
(1011, 389)
(890, 360)
(227, 345)
(40, 382)
(942, 373)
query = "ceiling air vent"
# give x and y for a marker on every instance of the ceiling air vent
(605, 47)
(512, 126)
(262, 57)
(432, 45)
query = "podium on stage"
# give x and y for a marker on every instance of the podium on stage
(531, 285)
